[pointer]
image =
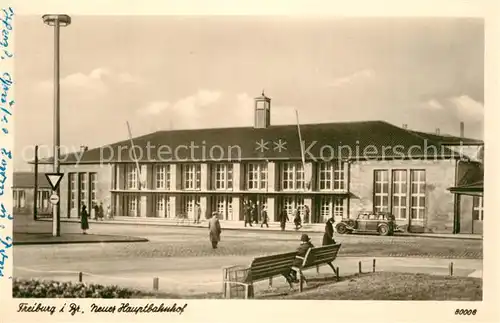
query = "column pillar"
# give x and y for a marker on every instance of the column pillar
(271, 177)
(236, 208)
(204, 177)
(173, 208)
(271, 208)
(236, 177)
(204, 207)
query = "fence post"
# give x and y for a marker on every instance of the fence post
(373, 265)
(156, 283)
(224, 274)
(270, 282)
(451, 268)
(338, 274)
(359, 267)
(80, 277)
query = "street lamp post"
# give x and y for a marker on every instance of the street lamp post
(56, 21)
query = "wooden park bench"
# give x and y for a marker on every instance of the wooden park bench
(261, 268)
(316, 257)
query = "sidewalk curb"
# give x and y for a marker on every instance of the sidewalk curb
(274, 230)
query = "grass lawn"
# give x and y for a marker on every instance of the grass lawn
(394, 286)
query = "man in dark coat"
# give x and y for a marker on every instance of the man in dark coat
(101, 211)
(297, 220)
(264, 216)
(246, 214)
(255, 214)
(305, 245)
(84, 219)
(283, 219)
(328, 235)
(214, 230)
(96, 211)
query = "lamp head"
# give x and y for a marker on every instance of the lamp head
(53, 19)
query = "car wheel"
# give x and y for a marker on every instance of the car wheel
(383, 229)
(341, 228)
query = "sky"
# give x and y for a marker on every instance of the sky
(167, 72)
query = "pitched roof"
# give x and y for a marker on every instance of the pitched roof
(371, 139)
(447, 139)
(26, 180)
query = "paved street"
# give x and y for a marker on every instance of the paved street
(183, 260)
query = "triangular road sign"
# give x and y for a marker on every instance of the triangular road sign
(54, 179)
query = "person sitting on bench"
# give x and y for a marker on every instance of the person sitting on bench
(305, 245)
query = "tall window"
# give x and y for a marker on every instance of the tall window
(399, 194)
(162, 177)
(188, 203)
(19, 198)
(292, 176)
(292, 203)
(224, 206)
(331, 176)
(417, 201)
(162, 206)
(72, 191)
(93, 188)
(381, 191)
(256, 176)
(133, 208)
(43, 200)
(191, 176)
(477, 208)
(222, 175)
(15, 194)
(331, 206)
(131, 173)
(83, 189)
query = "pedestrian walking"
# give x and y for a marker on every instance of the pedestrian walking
(84, 219)
(255, 214)
(283, 219)
(101, 212)
(95, 208)
(297, 220)
(214, 230)
(328, 235)
(264, 217)
(247, 215)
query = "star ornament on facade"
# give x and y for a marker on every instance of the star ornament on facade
(262, 145)
(280, 145)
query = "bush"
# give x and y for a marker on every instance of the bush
(33, 288)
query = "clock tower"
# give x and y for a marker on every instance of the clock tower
(262, 112)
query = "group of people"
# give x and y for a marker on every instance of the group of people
(98, 209)
(251, 214)
(297, 219)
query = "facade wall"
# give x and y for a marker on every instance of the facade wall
(359, 187)
(439, 202)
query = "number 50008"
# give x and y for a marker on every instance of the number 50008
(465, 312)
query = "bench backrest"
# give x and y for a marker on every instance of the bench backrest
(270, 266)
(321, 255)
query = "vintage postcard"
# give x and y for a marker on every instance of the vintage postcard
(264, 161)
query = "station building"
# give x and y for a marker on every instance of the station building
(349, 167)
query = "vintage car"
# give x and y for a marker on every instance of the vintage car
(381, 222)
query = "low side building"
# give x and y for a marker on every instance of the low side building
(23, 191)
